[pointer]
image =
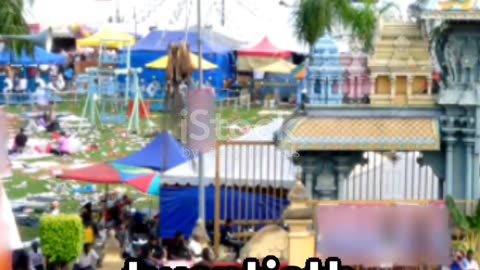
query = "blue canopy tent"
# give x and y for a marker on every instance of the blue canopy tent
(39, 57)
(179, 211)
(285, 84)
(155, 45)
(162, 153)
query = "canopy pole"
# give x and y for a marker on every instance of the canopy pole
(105, 207)
(201, 184)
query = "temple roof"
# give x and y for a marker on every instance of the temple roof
(400, 47)
(375, 134)
(358, 59)
(325, 57)
(448, 9)
(326, 46)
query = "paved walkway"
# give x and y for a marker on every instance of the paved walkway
(112, 259)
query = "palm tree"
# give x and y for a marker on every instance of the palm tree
(14, 23)
(314, 18)
(467, 225)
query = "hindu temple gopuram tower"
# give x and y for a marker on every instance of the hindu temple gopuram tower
(421, 97)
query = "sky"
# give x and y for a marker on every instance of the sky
(244, 19)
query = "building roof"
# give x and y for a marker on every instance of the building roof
(451, 10)
(375, 134)
(325, 58)
(265, 48)
(400, 47)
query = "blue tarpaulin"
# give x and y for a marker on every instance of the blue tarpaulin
(39, 57)
(285, 84)
(163, 153)
(179, 208)
(155, 45)
(158, 41)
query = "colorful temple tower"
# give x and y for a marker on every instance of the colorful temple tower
(356, 80)
(401, 67)
(401, 117)
(410, 110)
(325, 73)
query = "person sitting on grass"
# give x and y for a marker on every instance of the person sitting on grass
(87, 260)
(144, 260)
(20, 142)
(227, 238)
(63, 148)
(55, 208)
(207, 259)
(195, 248)
(178, 250)
(157, 253)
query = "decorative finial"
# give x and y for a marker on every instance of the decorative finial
(298, 193)
(355, 46)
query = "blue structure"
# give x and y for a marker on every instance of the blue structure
(155, 45)
(39, 57)
(178, 211)
(285, 84)
(161, 154)
(325, 73)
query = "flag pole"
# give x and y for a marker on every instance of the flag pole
(201, 184)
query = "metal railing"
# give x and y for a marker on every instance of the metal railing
(392, 176)
(252, 179)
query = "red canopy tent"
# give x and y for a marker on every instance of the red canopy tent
(265, 48)
(101, 173)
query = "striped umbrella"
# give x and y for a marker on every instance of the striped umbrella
(299, 72)
(145, 180)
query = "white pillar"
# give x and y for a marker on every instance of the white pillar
(373, 80)
(393, 86)
(429, 85)
(351, 87)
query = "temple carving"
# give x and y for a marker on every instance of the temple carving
(356, 78)
(418, 97)
(401, 68)
(325, 73)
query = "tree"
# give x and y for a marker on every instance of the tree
(467, 225)
(62, 239)
(14, 23)
(314, 18)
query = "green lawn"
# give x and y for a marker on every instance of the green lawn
(112, 146)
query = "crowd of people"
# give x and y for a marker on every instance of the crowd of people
(137, 237)
(60, 144)
(134, 234)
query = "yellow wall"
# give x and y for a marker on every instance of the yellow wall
(382, 85)
(418, 85)
(401, 84)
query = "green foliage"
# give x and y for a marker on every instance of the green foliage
(469, 225)
(13, 23)
(456, 215)
(61, 237)
(313, 18)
